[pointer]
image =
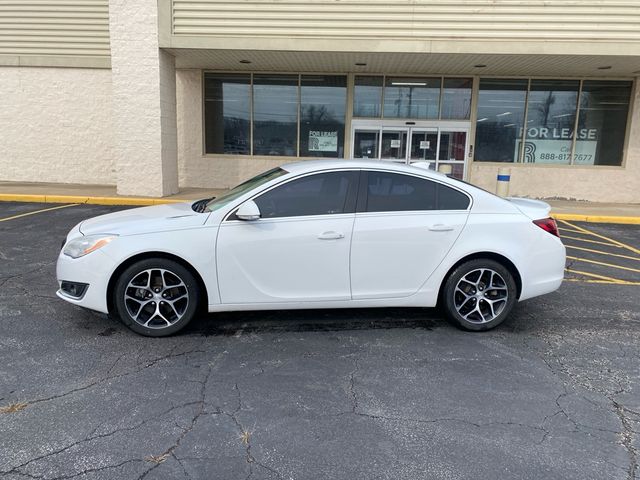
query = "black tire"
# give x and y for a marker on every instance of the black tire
(163, 315)
(481, 307)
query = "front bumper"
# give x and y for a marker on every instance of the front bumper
(95, 270)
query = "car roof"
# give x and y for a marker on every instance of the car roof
(324, 164)
(419, 169)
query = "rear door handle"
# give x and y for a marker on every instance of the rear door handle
(441, 227)
(331, 235)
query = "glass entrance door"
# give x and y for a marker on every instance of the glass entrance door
(452, 151)
(424, 145)
(439, 143)
(393, 145)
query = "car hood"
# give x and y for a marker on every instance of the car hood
(158, 218)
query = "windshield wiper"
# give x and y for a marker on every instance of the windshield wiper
(201, 205)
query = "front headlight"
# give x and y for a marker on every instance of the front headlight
(81, 246)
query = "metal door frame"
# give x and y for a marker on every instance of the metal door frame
(409, 126)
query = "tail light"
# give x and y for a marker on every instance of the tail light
(548, 225)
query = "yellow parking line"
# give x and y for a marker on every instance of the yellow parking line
(611, 265)
(588, 232)
(608, 282)
(591, 241)
(602, 277)
(36, 211)
(600, 252)
(569, 230)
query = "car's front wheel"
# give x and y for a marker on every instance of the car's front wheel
(479, 294)
(156, 297)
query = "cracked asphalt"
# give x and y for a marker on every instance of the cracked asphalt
(554, 393)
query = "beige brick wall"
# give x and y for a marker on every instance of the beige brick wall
(55, 125)
(143, 100)
(595, 184)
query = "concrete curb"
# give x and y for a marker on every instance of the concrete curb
(7, 197)
(141, 201)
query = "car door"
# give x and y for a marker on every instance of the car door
(404, 227)
(298, 250)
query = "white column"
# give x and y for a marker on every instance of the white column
(144, 101)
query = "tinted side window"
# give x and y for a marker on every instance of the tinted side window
(319, 194)
(394, 192)
(451, 199)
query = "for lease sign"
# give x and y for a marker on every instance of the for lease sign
(553, 145)
(323, 141)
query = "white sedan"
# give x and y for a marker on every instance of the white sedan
(317, 234)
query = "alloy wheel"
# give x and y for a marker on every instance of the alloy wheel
(480, 295)
(156, 298)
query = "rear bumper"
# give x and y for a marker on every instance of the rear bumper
(94, 270)
(541, 288)
(545, 269)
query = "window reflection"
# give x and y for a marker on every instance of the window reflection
(456, 98)
(322, 112)
(602, 123)
(551, 115)
(367, 96)
(551, 125)
(500, 119)
(409, 97)
(275, 115)
(227, 114)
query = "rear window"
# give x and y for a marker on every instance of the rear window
(395, 192)
(451, 199)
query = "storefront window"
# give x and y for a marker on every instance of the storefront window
(602, 123)
(275, 115)
(227, 112)
(323, 100)
(500, 119)
(367, 96)
(552, 134)
(551, 116)
(410, 97)
(456, 98)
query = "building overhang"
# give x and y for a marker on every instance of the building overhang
(493, 64)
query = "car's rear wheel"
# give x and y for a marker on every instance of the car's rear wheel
(156, 297)
(479, 294)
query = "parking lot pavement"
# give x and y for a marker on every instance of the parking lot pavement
(553, 393)
(602, 253)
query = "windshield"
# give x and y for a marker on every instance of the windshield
(243, 188)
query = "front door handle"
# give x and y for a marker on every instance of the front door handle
(441, 227)
(331, 235)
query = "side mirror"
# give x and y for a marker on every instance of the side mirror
(248, 211)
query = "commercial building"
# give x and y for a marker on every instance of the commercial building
(157, 95)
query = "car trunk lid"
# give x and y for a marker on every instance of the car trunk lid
(534, 209)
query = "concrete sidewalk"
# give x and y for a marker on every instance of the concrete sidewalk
(106, 195)
(595, 212)
(93, 194)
